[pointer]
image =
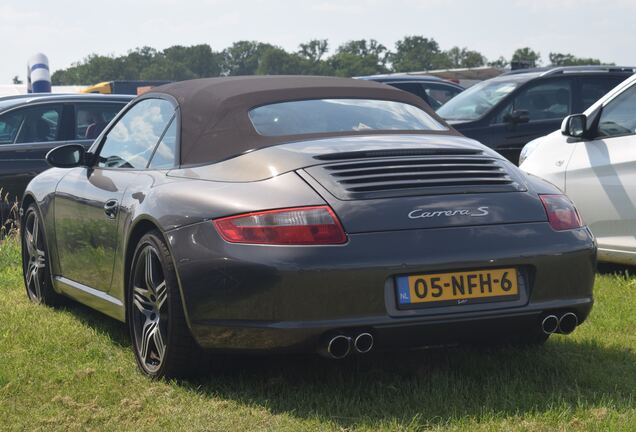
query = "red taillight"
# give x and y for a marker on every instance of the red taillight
(562, 214)
(290, 226)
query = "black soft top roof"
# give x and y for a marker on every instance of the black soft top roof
(214, 111)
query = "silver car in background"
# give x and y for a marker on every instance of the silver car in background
(593, 160)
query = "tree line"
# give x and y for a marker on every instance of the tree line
(353, 58)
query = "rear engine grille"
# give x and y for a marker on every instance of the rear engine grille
(424, 175)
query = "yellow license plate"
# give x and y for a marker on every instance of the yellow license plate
(457, 287)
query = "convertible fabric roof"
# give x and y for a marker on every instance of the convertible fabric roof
(214, 111)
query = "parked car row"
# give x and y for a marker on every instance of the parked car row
(503, 113)
(301, 214)
(295, 214)
(506, 112)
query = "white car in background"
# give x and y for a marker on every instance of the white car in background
(593, 160)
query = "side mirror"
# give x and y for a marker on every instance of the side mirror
(517, 116)
(66, 156)
(574, 125)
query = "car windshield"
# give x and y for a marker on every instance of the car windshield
(476, 101)
(339, 115)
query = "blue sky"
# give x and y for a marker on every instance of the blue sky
(67, 31)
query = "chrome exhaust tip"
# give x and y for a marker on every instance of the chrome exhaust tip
(550, 324)
(568, 323)
(339, 347)
(363, 343)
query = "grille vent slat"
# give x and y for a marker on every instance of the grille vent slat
(433, 170)
(424, 183)
(427, 178)
(374, 177)
(413, 162)
(398, 152)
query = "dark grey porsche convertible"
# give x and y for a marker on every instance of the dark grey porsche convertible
(296, 214)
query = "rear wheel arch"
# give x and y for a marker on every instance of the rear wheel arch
(138, 231)
(162, 341)
(141, 228)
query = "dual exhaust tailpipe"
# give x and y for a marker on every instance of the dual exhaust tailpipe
(564, 324)
(340, 346)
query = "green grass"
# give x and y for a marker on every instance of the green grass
(72, 369)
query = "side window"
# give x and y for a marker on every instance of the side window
(593, 88)
(131, 141)
(10, 124)
(92, 118)
(166, 153)
(548, 100)
(438, 94)
(410, 87)
(619, 115)
(40, 124)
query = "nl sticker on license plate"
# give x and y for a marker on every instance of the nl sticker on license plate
(457, 286)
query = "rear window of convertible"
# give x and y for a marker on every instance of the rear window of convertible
(339, 115)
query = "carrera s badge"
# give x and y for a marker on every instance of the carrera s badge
(422, 213)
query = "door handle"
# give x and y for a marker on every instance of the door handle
(111, 208)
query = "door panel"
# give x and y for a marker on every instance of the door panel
(86, 228)
(602, 173)
(88, 201)
(600, 180)
(547, 102)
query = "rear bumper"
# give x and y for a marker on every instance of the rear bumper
(305, 336)
(253, 298)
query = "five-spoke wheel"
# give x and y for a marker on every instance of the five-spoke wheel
(37, 278)
(35, 263)
(150, 317)
(161, 339)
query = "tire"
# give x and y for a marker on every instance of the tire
(35, 262)
(161, 340)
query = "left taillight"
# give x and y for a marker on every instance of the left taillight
(316, 225)
(562, 214)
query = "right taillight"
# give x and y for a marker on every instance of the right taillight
(562, 214)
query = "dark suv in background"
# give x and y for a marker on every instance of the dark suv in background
(31, 125)
(435, 91)
(510, 110)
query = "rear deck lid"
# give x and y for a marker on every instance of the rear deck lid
(422, 188)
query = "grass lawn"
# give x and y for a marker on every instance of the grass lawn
(72, 369)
